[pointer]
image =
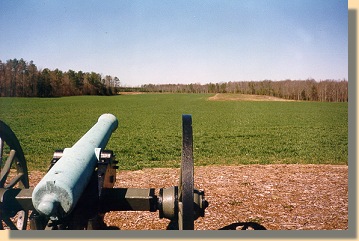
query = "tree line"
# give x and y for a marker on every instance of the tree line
(310, 90)
(19, 78)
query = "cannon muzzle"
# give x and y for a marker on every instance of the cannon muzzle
(57, 193)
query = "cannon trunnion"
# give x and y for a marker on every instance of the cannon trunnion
(78, 189)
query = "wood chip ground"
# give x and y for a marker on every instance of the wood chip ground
(274, 197)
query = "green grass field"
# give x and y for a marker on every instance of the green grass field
(150, 129)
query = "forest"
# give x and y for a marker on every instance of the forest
(19, 78)
(306, 90)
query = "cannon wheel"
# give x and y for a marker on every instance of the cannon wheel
(15, 160)
(186, 181)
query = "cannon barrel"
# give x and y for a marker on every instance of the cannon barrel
(57, 193)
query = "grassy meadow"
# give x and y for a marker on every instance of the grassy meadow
(150, 129)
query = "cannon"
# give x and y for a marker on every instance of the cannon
(78, 189)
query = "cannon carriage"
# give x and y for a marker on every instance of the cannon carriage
(78, 189)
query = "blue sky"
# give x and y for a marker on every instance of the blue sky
(180, 41)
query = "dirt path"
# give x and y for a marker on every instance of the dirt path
(277, 197)
(244, 97)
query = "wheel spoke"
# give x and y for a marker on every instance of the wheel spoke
(14, 181)
(180, 185)
(1, 150)
(5, 171)
(9, 223)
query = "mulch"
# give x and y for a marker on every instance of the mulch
(272, 197)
